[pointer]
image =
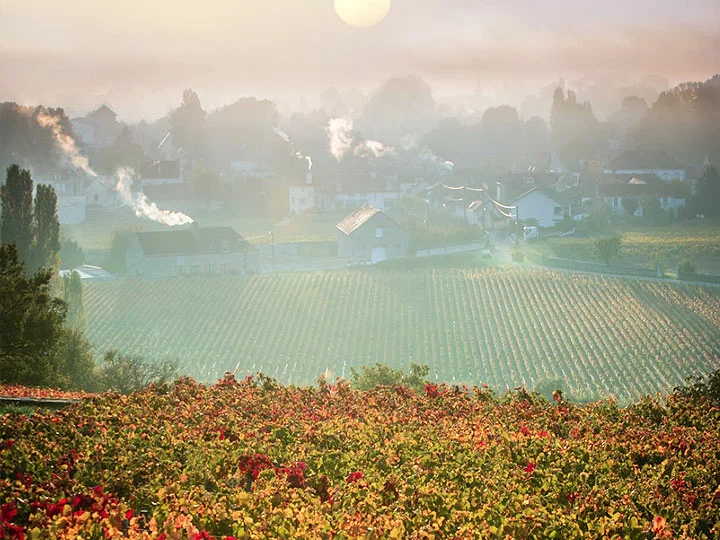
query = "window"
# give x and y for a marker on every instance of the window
(211, 268)
(180, 270)
(379, 232)
(96, 197)
(196, 268)
(558, 210)
(389, 203)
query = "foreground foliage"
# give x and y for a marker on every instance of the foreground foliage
(503, 327)
(255, 459)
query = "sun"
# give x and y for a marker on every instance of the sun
(362, 13)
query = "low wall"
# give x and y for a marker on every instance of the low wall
(288, 251)
(619, 270)
(705, 278)
(462, 248)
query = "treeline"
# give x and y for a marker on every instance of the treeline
(683, 121)
(24, 141)
(42, 317)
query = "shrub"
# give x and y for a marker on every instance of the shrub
(380, 375)
(687, 267)
(607, 248)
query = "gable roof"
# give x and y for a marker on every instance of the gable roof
(645, 160)
(102, 112)
(192, 241)
(559, 198)
(357, 218)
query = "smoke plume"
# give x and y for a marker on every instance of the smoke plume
(65, 141)
(339, 132)
(300, 155)
(143, 206)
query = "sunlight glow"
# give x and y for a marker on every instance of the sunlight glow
(362, 13)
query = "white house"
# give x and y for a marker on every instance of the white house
(303, 196)
(669, 197)
(382, 200)
(99, 194)
(544, 205)
(659, 163)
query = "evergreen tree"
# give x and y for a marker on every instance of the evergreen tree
(707, 193)
(16, 221)
(47, 229)
(73, 297)
(31, 323)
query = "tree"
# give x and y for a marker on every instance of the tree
(205, 183)
(630, 205)
(607, 248)
(16, 221)
(652, 212)
(47, 229)
(31, 323)
(115, 258)
(124, 152)
(187, 125)
(707, 194)
(76, 360)
(380, 375)
(128, 373)
(71, 254)
(73, 297)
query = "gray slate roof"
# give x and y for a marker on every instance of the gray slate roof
(193, 242)
(357, 218)
(645, 159)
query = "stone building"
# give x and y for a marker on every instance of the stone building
(367, 236)
(188, 252)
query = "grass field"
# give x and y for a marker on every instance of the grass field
(668, 247)
(504, 327)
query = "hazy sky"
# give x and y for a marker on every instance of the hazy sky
(138, 55)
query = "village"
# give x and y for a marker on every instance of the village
(367, 209)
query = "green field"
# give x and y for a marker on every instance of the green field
(647, 248)
(504, 327)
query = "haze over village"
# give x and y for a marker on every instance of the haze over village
(308, 239)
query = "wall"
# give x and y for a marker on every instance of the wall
(539, 206)
(165, 267)
(357, 248)
(463, 248)
(71, 210)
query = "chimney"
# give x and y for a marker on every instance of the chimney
(195, 228)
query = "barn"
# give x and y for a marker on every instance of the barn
(190, 251)
(367, 236)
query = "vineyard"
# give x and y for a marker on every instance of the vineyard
(502, 327)
(253, 459)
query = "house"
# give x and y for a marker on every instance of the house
(544, 205)
(190, 251)
(670, 197)
(101, 194)
(303, 196)
(98, 129)
(381, 199)
(155, 173)
(367, 236)
(658, 163)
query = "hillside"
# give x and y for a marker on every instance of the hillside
(255, 459)
(502, 327)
